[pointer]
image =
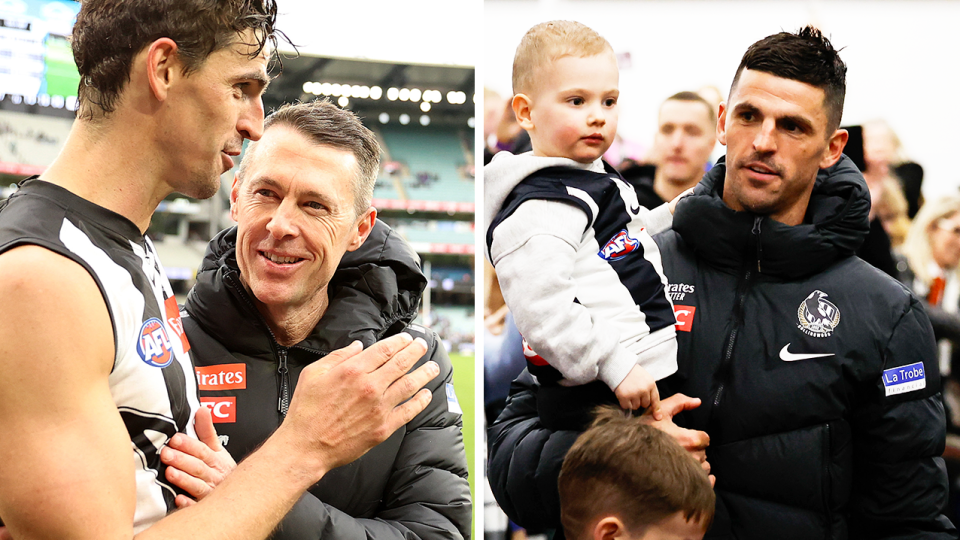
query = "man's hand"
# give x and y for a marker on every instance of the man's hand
(638, 390)
(196, 466)
(353, 399)
(693, 441)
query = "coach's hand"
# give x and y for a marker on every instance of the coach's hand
(694, 441)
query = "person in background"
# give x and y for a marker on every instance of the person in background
(686, 135)
(930, 266)
(932, 255)
(891, 209)
(884, 155)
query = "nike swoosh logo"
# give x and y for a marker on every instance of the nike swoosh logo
(636, 210)
(788, 356)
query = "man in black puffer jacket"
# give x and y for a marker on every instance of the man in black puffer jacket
(817, 373)
(250, 336)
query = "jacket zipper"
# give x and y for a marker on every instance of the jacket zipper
(756, 232)
(283, 385)
(283, 401)
(725, 365)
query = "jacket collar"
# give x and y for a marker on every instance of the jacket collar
(375, 290)
(835, 225)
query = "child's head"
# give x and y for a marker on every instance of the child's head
(623, 478)
(566, 86)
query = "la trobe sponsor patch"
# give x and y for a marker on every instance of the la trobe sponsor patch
(904, 379)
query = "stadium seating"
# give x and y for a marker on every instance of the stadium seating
(431, 164)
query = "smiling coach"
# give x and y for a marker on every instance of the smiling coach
(308, 270)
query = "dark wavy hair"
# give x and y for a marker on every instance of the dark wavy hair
(806, 56)
(109, 33)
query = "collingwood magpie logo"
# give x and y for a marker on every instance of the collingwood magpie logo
(818, 316)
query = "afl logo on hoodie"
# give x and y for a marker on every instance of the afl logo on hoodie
(153, 346)
(618, 247)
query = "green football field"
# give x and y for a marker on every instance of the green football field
(463, 383)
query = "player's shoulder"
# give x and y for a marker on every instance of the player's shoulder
(32, 264)
(32, 275)
(55, 302)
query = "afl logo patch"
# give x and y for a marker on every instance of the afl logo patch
(818, 316)
(618, 247)
(153, 346)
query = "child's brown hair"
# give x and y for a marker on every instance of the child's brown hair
(626, 468)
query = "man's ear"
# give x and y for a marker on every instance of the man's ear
(834, 148)
(609, 528)
(722, 123)
(522, 105)
(364, 227)
(163, 66)
(234, 197)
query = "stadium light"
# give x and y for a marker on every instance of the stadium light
(425, 106)
(393, 94)
(424, 120)
(343, 101)
(404, 119)
(384, 118)
(415, 94)
(471, 122)
(404, 94)
(376, 92)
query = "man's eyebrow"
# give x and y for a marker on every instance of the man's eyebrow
(745, 107)
(259, 77)
(801, 121)
(804, 123)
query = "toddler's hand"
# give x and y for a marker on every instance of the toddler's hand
(673, 203)
(638, 391)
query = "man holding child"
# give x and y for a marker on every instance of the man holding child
(817, 374)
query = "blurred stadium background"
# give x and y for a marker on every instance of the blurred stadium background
(422, 113)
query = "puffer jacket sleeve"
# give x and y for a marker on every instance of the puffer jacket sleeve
(900, 480)
(427, 496)
(524, 459)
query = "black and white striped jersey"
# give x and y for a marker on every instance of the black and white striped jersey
(152, 381)
(617, 275)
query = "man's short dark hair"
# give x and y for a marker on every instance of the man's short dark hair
(623, 467)
(806, 56)
(109, 33)
(328, 125)
(696, 98)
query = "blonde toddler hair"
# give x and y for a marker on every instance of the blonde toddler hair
(549, 41)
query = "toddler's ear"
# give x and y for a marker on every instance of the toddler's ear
(609, 528)
(521, 109)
